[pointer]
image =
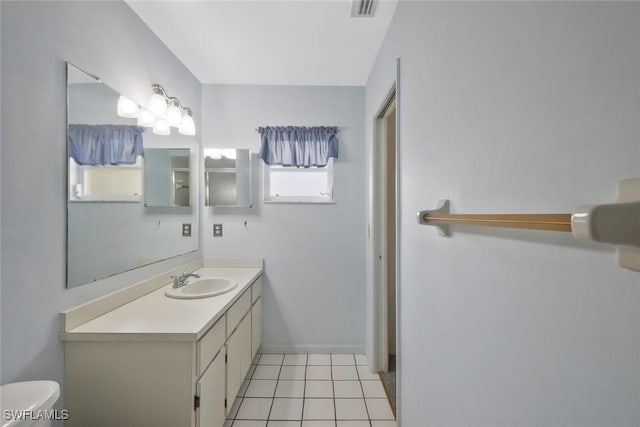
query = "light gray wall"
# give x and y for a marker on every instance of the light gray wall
(314, 254)
(105, 38)
(514, 107)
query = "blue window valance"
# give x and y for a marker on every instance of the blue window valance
(298, 146)
(101, 145)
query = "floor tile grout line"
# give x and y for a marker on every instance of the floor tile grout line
(304, 389)
(333, 389)
(273, 399)
(364, 399)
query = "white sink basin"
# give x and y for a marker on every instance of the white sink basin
(202, 288)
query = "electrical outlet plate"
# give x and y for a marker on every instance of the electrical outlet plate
(217, 230)
(186, 230)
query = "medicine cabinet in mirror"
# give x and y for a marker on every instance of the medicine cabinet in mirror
(129, 190)
(227, 177)
(166, 177)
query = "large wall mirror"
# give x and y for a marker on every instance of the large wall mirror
(126, 204)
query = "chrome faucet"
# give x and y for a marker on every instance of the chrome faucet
(181, 280)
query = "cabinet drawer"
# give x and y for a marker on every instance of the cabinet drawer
(238, 310)
(256, 290)
(209, 345)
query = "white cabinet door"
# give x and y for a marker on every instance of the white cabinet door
(238, 358)
(256, 327)
(211, 390)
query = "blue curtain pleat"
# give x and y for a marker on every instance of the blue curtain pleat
(298, 146)
(101, 145)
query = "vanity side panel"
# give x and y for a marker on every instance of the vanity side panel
(256, 327)
(130, 384)
(256, 289)
(244, 331)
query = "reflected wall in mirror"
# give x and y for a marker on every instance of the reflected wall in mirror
(109, 229)
(166, 177)
(227, 177)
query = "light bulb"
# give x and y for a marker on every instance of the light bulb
(187, 126)
(174, 115)
(161, 127)
(145, 118)
(127, 108)
(157, 105)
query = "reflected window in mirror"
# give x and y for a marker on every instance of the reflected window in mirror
(105, 151)
(106, 183)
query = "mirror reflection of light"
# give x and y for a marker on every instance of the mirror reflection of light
(161, 127)
(229, 153)
(174, 115)
(187, 126)
(220, 153)
(157, 105)
(213, 153)
(127, 108)
(145, 118)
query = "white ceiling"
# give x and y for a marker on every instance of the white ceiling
(270, 42)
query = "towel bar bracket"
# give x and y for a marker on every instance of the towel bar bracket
(627, 257)
(443, 208)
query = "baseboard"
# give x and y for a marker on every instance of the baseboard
(312, 348)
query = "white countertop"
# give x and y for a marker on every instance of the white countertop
(156, 316)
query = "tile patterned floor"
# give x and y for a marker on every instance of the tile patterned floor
(314, 390)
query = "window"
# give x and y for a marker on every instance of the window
(122, 183)
(289, 184)
(298, 163)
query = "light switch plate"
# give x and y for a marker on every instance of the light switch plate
(186, 230)
(217, 230)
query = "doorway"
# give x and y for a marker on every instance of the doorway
(385, 241)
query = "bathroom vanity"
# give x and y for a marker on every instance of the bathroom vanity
(150, 360)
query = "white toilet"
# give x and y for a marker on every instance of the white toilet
(29, 404)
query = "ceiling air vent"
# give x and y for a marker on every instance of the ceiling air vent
(363, 8)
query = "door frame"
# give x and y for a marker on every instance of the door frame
(377, 304)
(380, 229)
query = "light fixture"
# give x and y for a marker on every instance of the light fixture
(187, 126)
(157, 104)
(174, 113)
(127, 108)
(145, 118)
(161, 127)
(168, 112)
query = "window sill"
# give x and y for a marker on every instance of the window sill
(106, 200)
(300, 202)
